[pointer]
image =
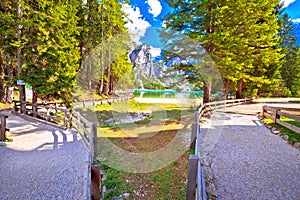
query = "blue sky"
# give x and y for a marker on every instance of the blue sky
(146, 18)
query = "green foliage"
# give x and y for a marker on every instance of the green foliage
(104, 47)
(240, 36)
(7, 51)
(290, 71)
(51, 53)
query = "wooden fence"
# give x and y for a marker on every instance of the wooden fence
(275, 113)
(94, 102)
(50, 112)
(196, 188)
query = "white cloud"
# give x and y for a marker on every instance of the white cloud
(135, 23)
(287, 2)
(155, 51)
(154, 7)
(296, 20)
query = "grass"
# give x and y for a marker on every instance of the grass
(294, 101)
(166, 183)
(5, 106)
(294, 137)
(148, 135)
(115, 182)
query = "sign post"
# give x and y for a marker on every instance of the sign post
(22, 96)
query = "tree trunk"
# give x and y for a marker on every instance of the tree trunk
(34, 101)
(9, 89)
(238, 94)
(107, 82)
(227, 84)
(102, 51)
(2, 88)
(19, 51)
(207, 91)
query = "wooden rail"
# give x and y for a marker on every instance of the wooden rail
(51, 112)
(94, 102)
(275, 113)
(196, 188)
(87, 130)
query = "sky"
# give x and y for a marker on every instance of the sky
(146, 17)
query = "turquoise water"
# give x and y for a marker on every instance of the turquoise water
(145, 93)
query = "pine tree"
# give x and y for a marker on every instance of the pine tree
(7, 50)
(290, 71)
(50, 51)
(240, 36)
(196, 19)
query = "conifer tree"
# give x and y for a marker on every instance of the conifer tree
(7, 50)
(240, 36)
(50, 51)
(290, 71)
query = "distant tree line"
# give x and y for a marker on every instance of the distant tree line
(46, 43)
(250, 42)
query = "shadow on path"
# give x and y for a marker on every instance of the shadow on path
(42, 162)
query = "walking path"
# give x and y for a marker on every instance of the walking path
(42, 162)
(245, 160)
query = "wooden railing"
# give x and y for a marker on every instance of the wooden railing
(275, 113)
(196, 188)
(51, 112)
(94, 102)
(87, 130)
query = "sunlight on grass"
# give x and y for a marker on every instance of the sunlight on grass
(136, 130)
(293, 136)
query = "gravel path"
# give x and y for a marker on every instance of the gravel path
(42, 162)
(247, 161)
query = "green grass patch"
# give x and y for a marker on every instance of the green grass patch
(166, 183)
(294, 137)
(115, 183)
(158, 111)
(294, 101)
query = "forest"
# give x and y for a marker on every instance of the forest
(47, 43)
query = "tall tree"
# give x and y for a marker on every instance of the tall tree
(50, 51)
(197, 19)
(290, 71)
(240, 36)
(7, 50)
(113, 25)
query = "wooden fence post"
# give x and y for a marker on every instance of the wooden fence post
(15, 106)
(3, 127)
(34, 110)
(192, 178)
(65, 118)
(48, 114)
(277, 116)
(193, 136)
(96, 181)
(194, 130)
(94, 134)
(70, 119)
